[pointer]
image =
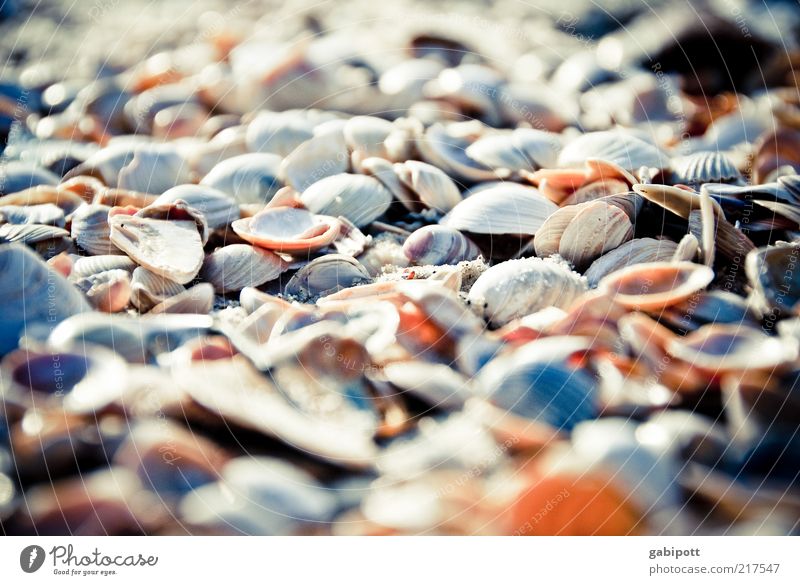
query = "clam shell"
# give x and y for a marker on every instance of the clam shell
(504, 209)
(41, 195)
(31, 233)
(32, 295)
(637, 251)
(170, 248)
(88, 265)
(248, 178)
(45, 214)
(384, 171)
(359, 198)
(108, 291)
(278, 132)
(516, 288)
(443, 148)
(325, 275)
(197, 300)
(17, 176)
(433, 188)
(437, 245)
(627, 151)
(776, 286)
(287, 229)
(366, 136)
(704, 167)
(234, 267)
(321, 156)
(522, 149)
(656, 285)
(217, 207)
(596, 228)
(91, 230)
(149, 289)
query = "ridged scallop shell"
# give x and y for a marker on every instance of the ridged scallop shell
(655, 285)
(503, 209)
(234, 267)
(44, 214)
(516, 288)
(88, 265)
(433, 188)
(217, 207)
(326, 275)
(108, 291)
(172, 248)
(198, 299)
(288, 229)
(637, 251)
(704, 167)
(91, 230)
(32, 294)
(627, 151)
(437, 245)
(359, 198)
(31, 233)
(248, 178)
(149, 289)
(586, 232)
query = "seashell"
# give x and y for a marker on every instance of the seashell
(172, 248)
(197, 300)
(655, 285)
(625, 150)
(248, 178)
(16, 176)
(704, 167)
(471, 87)
(516, 288)
(444, 148)
(31, 233)
(384, 171)
(436, 384)
(287, 229)
(723, 348)
(539, 387)
(586, 232)
(91, 230)
(88, 265)
(596, 190)
(278, 132)
(41, 195)
(365, 136)
(108, 291)
(231, 268)
(33, 295)
(522, 149)
(325, 275)
(636, 251)
(437, 245)
(705, 308)
(149, 289)
(504, 209)
(359, 198)
(323, 155)
(433, 188)
(218, 208)
(407, 78)
(261, 496)
(43, 214)
(770, 271)
(351, 241)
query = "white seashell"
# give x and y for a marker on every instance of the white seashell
(325, 275)
(321, 156)
(278, 132)
(288, 229)
(704, 167)
(234, 267)
(149, 289)
(359, 198)
(365, 136)
(433, 188)
(108, 291)
(43, 214)
(445, 148)
(88, 265)
(437, 245)
(91, 230)
(637, 251)
(170, 248)
(384, 171)
(198, 299)
(627, 151)
(248, 178)
(217, 207)
(516, 288)
(502, 209)
(154, 169)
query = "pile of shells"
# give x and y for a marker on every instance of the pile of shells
(392, 284)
